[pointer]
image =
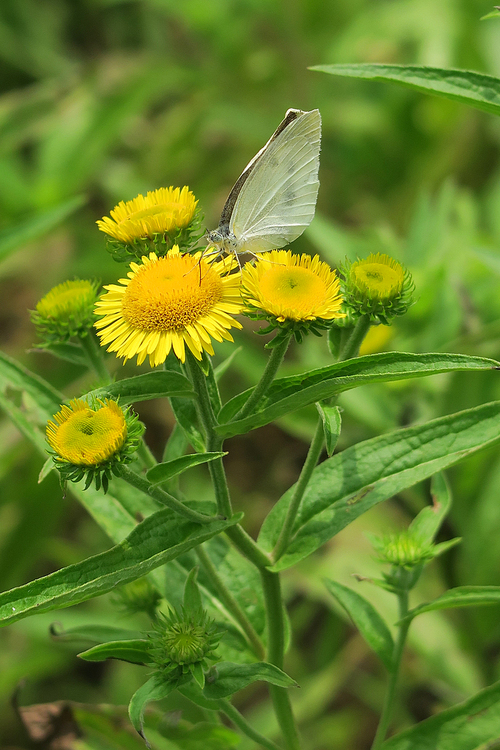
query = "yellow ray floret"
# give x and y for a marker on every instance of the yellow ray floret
(292, 287)
(169, 303)
(159, 212)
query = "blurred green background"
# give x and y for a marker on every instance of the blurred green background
(103, 99)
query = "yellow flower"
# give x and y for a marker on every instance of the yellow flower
(87, 437)
(292, 287)
(380, 276)
(169, 303)
(66, 311)
(160, 212)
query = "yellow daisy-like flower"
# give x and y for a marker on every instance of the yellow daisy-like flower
(159, 212)
(169, 303)
(66, 311)
(83, 436)
(380, 276)
(292, 287)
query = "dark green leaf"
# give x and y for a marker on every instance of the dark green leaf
(202, 736)
(467, 726)
(228, 678)
(289, 394)
(332, 424)
(92, 633)
(145, 387)
(366, 618)
(348, 484)
(466, 86)
(65, 350)
(159, 538)
(163, 472)
(136, 651)
(462, 596)
(32, 229)
(192, 597)
(154, 689)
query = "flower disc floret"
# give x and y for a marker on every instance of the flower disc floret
(297, 292)
(377, 286)
(169, 303)
(66, 311)
(159, 212)
(92, 440)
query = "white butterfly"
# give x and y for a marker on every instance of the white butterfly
(274, 198)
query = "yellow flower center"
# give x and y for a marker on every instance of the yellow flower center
(292, 287)
(378, 279)
(85, 436)
(66, 298)
(171, 293)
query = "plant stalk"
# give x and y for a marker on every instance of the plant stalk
(260, 390)
(351, 346)
(240, 721)
(94, 355)
(387, 709)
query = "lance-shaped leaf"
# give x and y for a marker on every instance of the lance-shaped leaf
(289, 394)
(136, 651)
(466, 86)
(92, 633)
(461, 596)
(156, 688)
(159, 538)
(350, 483)
(227, 678)
(427, 523)
(468, 726)
(332, 424)
(366, 618)
(165, 471)
(146, 387)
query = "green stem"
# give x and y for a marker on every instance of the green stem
(203, 403)
(260, 390)
(142, 484)
(396, 664)
(230, 602)
(305, 475)
(145, 455)
(95, 357)
(276, 654)
(240, 721)
(351, 347)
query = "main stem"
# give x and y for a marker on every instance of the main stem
(351, 347)
(240, 721)
(260, 390)
(387, 710)
(275, 655)
(94, 355)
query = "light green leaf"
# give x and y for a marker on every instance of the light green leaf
(228, 678)
(464, 727)
(136, 651)
(350, 483)
(461, 596)
(146, 387)
(92, 633)
(466, 86)
(366, 618)
(289, 394)
(165, 471)
(46, 469)
(154, 689)
(159, 538)
(65, 350)
(332, 424)
(35, 227)
(192, 598)
(427, 523)
(493, 14)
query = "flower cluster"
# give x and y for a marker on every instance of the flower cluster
(92, 440)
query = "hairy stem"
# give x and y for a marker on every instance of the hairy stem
(396, 664)
(94, 355)
(230, 603)
(260, 390)
(351, 346)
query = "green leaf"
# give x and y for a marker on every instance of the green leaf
(289, 394)
(136, 651)
(159, 538)
(46, 469)
(462, 596)
(350, 483)
(227, 678)
(165, 471)
(427, 523)
(146, 387)
(202, 736)
(192, 598)
(15, 376)
(466, 86)
(493, 14)
(35, 227)
(92, 633)
(366, 618)
(467, 726)
(65, 350)
(224, 366)
(332, 424)
(154, 689)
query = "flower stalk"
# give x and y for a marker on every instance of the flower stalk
(273, 364)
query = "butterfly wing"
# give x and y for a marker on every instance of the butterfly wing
(278, 198)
